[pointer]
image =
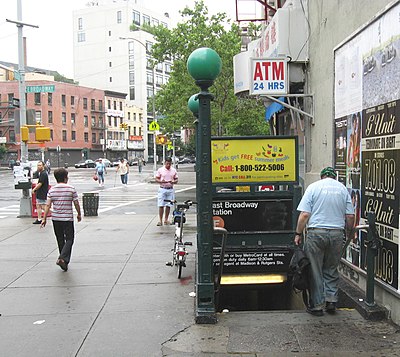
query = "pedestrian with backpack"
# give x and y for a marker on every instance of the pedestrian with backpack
(327, 212)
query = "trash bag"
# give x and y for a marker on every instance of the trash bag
(299, 270)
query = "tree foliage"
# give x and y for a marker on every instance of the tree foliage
(230, 115)
(3, 151)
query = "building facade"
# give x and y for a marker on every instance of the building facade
(111, 52)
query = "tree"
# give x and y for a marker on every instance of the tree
(3, 151)
(230, 115)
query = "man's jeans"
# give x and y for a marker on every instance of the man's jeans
(323, 248)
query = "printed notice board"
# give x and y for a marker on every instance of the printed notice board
(254, 160)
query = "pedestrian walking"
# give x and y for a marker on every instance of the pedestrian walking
(327, 211)
(140, 164)
(48, 166)
(61, 197)
(41, 190)
(123, 171)
(166, 176)
(100, 171)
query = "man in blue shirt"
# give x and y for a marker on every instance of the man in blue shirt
(100, 171)
(327, 211)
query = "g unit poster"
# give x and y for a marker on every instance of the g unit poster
(254, 159)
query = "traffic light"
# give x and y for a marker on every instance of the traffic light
(161, 140)
(42, 133)
(24, 133)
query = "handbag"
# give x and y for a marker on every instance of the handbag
(299, 273)
(95, 177)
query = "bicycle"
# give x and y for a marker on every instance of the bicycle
(179, 252)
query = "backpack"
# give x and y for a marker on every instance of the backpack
(298, 273)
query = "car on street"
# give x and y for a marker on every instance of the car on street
(184, 160)
(106, 162)
(133, 162)
(84, 164)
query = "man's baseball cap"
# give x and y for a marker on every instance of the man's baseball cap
(329, 172)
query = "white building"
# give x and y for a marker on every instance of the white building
(103, 60)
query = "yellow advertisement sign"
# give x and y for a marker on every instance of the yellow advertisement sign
(247, 160)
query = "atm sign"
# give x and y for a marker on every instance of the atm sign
(269, 76)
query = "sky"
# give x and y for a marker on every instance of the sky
(50, 45)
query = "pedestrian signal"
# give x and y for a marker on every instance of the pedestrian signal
(161, 140)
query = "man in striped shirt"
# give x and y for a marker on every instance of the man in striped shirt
(62, 196)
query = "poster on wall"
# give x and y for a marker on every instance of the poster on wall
(367, 95)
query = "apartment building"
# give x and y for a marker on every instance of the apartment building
(112, 52)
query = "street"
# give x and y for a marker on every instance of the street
(139, 196)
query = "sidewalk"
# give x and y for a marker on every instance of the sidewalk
(119, 299)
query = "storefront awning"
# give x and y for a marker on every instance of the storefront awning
(274, 108)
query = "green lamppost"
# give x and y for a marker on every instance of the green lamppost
(204, 65)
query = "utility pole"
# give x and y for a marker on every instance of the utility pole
(25, 208)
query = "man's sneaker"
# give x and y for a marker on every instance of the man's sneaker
(315, 312)
(37, 222)
(62, 264)
(330, 307)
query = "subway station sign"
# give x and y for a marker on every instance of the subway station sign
(268, 76)
(254, 160)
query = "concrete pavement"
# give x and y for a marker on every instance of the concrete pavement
(119, 299)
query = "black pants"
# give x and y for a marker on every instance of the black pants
(64, 232)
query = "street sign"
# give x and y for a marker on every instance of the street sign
(268, 76)
(40, 89)
(154, 126)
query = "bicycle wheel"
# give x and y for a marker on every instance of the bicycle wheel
(180, 265)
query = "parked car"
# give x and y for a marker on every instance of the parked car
(85, 164)
(116, 162)
(184, 160)
(133, 162)
(106, 162)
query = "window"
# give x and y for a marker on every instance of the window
(101, 136)
(93, 121)
(131, 78)
(109, 64)
(131, 47)
(149, 46)
(50, 98)
(136, 17)
(12, 136)
(134, 116)
(115, 122)
(51, 134)
(50, 117)
(150, 92)
(115, 105)
(72, 100)
(155, 22)
(109, 121)
(109, 33)
(73, 135)
(110, 79)
(109, 135)
(149, 64)
(81, 37)
(159, 67)
(119, 17)
(85, 121)
(64, 135)
(73, 118)
(63, 100)
(10, 97)
(100, 105)
(84, 103)
(92, 104)
(164, 24)
(140, 131)
(37, 98)
(80, 23)
(146, 19)
(86, 137)
(131, 62)
(134, 130)
(93, 138)
(64, 118)
(150, 77)
(159, 80)
(38, 117)
(120, 106)
(132, 93)
(101, 122)
(109, 104)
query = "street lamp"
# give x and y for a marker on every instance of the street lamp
(204, 65)
(154, 107)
